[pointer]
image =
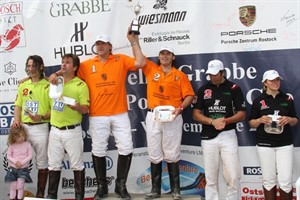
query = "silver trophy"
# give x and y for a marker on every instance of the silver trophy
(135, 27)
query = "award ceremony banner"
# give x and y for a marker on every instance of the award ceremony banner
(249, 37)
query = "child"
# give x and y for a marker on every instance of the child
(19, 154)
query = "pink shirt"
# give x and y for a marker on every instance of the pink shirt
(19, 152)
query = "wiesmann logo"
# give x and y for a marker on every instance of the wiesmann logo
(162, 18)
(161, 4)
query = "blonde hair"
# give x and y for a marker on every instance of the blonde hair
(14, 133)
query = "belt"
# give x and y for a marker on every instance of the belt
(67, 127)
(33, 124)
(150, 110)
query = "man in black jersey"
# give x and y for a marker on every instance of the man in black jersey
(220, 105)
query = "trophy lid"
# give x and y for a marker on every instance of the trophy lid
(137, 8)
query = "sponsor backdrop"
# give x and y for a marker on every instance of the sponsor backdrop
(248, 36)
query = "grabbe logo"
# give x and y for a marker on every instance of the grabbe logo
(73, 8)
(252, 170)
(162, 18)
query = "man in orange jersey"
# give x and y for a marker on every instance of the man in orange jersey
(105, 75)
(166, 86)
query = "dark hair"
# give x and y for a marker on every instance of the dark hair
(38, 64)
(14, 133)
(75, 58)
(264, 88)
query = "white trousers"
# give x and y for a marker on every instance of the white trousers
(298, 188)
(38, 137)
(163, 139)
(224, 146)
(101, 127)
(276, 165)
(65, 140)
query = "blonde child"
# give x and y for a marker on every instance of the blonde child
(19, 154)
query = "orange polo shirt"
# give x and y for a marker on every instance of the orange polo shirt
(107, 83)
(163, 90)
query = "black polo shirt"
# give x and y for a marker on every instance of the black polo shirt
(217, 102)
(266, 105)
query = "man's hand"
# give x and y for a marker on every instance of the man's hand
(35, 118)
(133, 39)
(219, 123)
(76, 106)
(16, 124)
(53, 78)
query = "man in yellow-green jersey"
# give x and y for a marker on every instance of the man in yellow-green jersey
(32, 109)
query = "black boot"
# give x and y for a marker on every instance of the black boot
(156, 181)
(270, 195)
(54, 178)
(100, 172)
(79, 179)
(173, 169)
(286, 196)
(41, 183)
(124, 163)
